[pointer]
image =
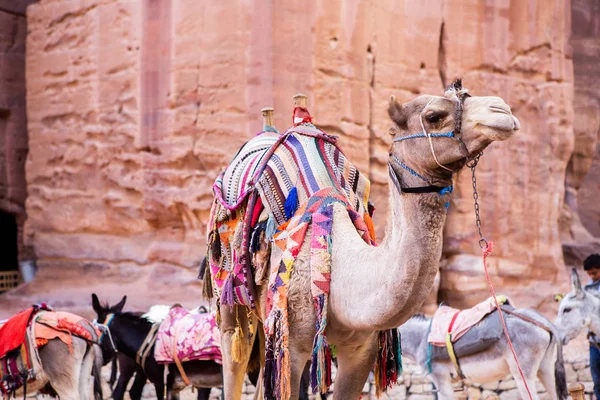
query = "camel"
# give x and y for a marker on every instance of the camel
(376, 288)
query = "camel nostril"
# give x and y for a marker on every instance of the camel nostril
(500, 108)
(517, 124)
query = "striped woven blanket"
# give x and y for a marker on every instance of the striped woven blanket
(282, 172)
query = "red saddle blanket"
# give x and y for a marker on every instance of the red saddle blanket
(12, 333)
(458, 322)
(188, 336)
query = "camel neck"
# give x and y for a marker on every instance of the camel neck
(389, 283)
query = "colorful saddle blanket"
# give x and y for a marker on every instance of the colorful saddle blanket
(281, 172)
(188, 336)
(295, 178)
(63, 325)
(459, 322)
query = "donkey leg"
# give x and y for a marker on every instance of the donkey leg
(63, 367)
(529, 378)
(443, 381)
(137, 387)
(354, 365)
(203, 394)
(234, 372)
(85, 374)
(546, 373)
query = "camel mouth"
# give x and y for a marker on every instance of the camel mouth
(457, 165)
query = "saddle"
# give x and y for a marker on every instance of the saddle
(478, 338)
(19, 360)
(23, 334)
(184, 336)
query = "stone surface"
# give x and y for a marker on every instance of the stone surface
(133, 108)
(13, 127)
(580, 219)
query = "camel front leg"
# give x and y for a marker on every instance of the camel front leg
(234, 371)
(354, 364)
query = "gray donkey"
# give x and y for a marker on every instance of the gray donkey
(65, 372)
(578, 310)
(539, 353)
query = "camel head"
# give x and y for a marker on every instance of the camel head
(435, 136)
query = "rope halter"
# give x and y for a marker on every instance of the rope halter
(456, 93)
(104, 328)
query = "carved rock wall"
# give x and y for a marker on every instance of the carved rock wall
(134, 107)
(580, 222)
(13, 126)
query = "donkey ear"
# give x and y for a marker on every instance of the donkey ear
(397, 112)
(96, 304)
(576, 284)
(119, 306)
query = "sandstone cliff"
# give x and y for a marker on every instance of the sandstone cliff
(133, 108)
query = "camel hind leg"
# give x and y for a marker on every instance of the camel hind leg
(63, 367)
(234, 372)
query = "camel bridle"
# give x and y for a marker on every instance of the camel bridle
(457, 94)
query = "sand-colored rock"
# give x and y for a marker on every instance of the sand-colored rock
(134, 107)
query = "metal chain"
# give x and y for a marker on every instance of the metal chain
(472, 164)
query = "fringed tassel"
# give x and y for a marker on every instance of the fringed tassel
(214, 247)
(207, 287)
(389, 361)
(291, 203)
(256, 236)
(238, 349)
(227, 292)
(277, 359)
(270, 372)
(320, 371)
(270, 229)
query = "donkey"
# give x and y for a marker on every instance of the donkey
(128, 366)
(128, 331)
(67, 372)
(539, 352)
(578, 310)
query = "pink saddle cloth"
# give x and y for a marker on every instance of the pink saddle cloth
(188, 337)
(463, 320)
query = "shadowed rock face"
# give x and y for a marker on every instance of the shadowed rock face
(133, 108)
(580, 221)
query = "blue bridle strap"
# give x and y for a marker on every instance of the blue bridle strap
(426, 189)
(420, 135)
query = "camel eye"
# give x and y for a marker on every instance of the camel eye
(434, 118)
(566, 310)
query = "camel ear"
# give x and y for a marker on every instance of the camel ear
(96, 304)
(119, 306)
(397, 112)
(576, 284)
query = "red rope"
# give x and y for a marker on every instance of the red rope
(487, 250)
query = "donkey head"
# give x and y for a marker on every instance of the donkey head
(577, 311)
(104, 310)
(102, 313)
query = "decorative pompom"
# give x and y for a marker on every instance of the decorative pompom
(291, 203)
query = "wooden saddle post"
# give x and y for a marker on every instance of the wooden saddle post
(577, 391)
